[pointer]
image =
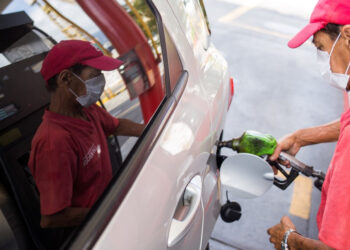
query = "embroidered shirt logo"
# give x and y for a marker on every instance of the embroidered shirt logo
(91, 153)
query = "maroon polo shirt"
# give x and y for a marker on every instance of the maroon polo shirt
(70, 160)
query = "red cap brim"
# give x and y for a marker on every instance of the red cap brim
(103, 63)
(305, 34)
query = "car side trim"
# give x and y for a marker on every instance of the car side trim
(180, 85)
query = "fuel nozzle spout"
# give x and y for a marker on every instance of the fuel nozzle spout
(225, 144)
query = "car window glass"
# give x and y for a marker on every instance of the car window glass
(125, 85)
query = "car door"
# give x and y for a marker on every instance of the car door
(212, 73)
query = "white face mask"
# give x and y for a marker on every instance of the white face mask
(337, 80)
(94, 90)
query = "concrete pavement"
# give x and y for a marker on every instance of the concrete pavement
(277, 90)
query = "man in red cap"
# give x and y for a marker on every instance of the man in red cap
(330, 27)
(69, 156)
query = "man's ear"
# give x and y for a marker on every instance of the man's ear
(64, 77)
(346, 34)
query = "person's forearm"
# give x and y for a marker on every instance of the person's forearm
(69, 217)
(324, 133)
(129, 128)
(299, 242)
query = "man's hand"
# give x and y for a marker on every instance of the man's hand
(129, 128)
(68, 217)
(277, 232)
(287, 144)
(295, 241)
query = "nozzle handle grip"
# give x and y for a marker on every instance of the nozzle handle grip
(289, 178)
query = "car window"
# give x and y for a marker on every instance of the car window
(124, 95)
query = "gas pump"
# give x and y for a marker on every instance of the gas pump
(23, 99)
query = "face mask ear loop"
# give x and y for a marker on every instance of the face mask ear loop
(80, 80)
(73, 92)
(78, 77)
(336, 40)
(347, 69)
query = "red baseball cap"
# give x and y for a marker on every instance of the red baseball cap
(326, 11)
(67, 53)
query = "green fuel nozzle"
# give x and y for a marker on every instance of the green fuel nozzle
(251, 142)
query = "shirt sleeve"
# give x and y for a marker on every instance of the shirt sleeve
(108, 122)
(54, 173)
(335, 227)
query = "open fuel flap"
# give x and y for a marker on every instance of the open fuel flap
(246, 175)
(243, 176)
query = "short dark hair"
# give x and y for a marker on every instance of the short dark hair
(332, 30)
(52, 83)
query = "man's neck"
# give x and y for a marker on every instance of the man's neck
(67, 107)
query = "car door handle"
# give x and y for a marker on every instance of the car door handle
(190, 201)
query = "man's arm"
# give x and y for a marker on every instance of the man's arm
(308, 136)
(297, 241)
(129, 128)
(68, 217)
(324, 133)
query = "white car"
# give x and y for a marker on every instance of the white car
(167, 194)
